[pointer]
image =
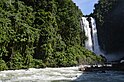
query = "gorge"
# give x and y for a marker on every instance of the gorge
(42, 41)
(49, 35)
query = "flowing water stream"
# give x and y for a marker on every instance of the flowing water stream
(89, 27)
(67, 74)
(40, 75)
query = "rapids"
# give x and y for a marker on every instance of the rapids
(67, 74)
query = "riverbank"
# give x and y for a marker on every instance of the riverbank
(102, 67)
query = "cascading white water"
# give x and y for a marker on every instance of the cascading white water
(91, 33)
(40, 75)
(85, 27)
(88, 25)
(96, 47)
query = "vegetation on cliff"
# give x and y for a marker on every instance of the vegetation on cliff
(40, 33)
(109, 17)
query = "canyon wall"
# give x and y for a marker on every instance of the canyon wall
(109, 15)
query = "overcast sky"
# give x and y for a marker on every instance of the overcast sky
(86, 6)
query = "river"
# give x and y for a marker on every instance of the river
(67, 74)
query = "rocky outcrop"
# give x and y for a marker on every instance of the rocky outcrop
(102, 68)
(110, 23)
(114, 29)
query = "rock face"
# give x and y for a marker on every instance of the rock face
(103, 68)
(114, 29)
(111, 32)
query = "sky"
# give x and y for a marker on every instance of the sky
(86, 6)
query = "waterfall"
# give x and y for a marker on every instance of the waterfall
(96, 46)
(89, 27)
(87, 30)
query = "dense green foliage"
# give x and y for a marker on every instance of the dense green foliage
(40, 33)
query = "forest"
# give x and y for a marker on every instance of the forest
(42, 33)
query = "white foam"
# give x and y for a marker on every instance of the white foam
(87, 29)
(47, 74)
(91, 43)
